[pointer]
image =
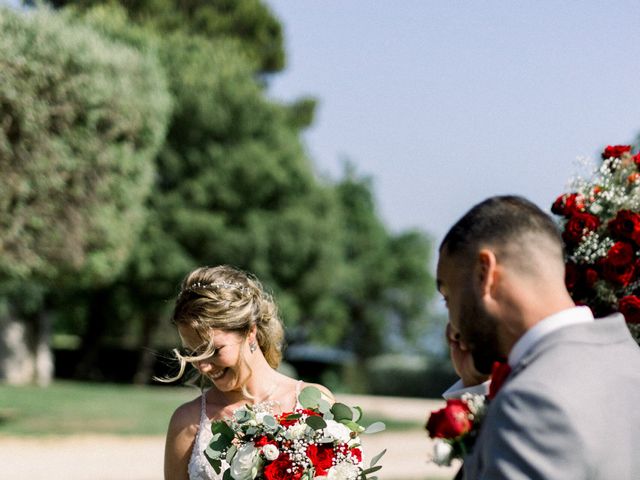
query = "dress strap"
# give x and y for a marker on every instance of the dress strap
(203, 406)
(298, 389)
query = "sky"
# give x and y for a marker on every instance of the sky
(445, 103)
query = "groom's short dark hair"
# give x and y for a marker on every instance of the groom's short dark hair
(499, 221)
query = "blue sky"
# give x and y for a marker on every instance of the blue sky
(446, 103)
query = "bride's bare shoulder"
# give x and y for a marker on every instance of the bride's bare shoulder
(186, 416)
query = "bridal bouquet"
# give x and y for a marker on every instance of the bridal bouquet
(319, 441)
(600, 220)
(455, 427)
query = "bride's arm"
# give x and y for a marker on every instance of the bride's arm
(179, 442)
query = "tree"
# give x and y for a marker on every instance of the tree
(248, 23)
(81, 118)
(388, 282)
(233, 185)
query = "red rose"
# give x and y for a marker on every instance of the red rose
(321, 457)
(615, 151)
(620, 254)
(625, 226)
(636, 160)
(357, 454)
(590, 276)
(578, 225)
(277, 470)
(285, 421)
(450, 421)
(571, 276)
(263, 440)
(621, 275)
(568, 204)
(629, 306)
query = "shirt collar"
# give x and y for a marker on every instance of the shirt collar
(544, 327)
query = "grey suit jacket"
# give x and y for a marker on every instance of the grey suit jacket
(569, 410)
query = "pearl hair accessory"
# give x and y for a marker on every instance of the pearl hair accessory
(204, 286)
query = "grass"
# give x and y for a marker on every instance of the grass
(68, 408)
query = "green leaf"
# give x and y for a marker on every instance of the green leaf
(231, 453)
(377, 458)
(317, 423)
(375, 427)
(341, 412)
(371, 470)
(353, 426)
(242, 416)
(309, 397)
(223, 429)
(227, 475)
(269, 421)
(357, 414)
(215, 464)
(324, 407)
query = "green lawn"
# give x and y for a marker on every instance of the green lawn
(67, 408)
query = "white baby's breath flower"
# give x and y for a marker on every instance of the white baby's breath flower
(343, 471)
(442, 453)
(270, 452)
(337, 431)
(244, 461)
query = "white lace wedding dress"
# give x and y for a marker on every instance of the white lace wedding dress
(199, 466)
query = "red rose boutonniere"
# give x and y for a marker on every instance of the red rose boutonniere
(455, 427)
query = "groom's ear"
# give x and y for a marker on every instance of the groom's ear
(486, 273)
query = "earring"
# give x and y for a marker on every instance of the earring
(253, 347)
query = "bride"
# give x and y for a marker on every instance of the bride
(231, 332)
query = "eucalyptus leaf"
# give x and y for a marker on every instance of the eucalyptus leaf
(213, 453)
(215, 463)
(317, 423)
(309, 397)
(223, 429)
(377, 458)
(371, 470)
(357, 414)
(269, 421)
(341, 412)
(231, 453)
(375, 427)
(324, 407)
(353, 426)
(242, 416)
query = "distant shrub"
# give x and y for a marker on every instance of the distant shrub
(408, 376)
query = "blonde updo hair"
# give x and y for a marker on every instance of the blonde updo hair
(226, 298)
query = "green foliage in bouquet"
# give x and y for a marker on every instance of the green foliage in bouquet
(600, 222)
(319, 440)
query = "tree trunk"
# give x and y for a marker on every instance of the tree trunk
(144, 371)
(25, 351)
(99, 308)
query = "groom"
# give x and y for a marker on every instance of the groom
(570, 406)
